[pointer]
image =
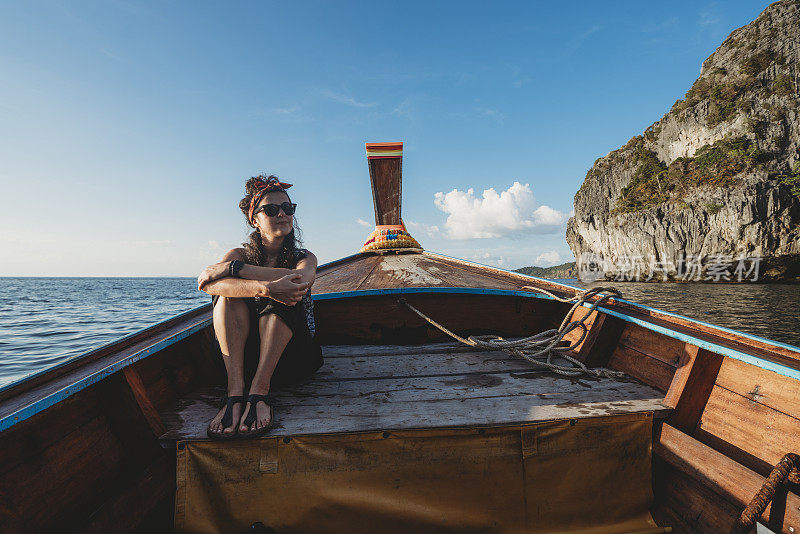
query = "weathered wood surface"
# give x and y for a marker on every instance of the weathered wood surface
(649, 370)
(69, 465)
(726, 478)
(691, 386)
(382, 319)
(687, 505)
(396, 389)
(345, 277)
(776, 391)
(348, 351)
(386, 175)
(752, 433)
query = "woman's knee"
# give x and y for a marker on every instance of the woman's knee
(272, 321)
(227, 309)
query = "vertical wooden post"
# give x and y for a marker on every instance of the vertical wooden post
(691, 387)
(385, 162)
(142, 398)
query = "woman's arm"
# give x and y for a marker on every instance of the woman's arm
(287, 288)
(307, 267)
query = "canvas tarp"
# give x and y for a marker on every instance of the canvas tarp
(586, 475)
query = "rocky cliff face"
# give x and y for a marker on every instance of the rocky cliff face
(716, 179)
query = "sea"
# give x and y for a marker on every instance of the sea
(45, 321)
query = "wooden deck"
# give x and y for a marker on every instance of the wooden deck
(368, 388)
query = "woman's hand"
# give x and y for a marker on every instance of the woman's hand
(287, 290)
(213, 272)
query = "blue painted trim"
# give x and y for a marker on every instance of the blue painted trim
(407, 290)
(56, 397)
(713, 347)
(40, 372)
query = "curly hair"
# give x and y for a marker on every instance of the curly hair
(254, 248)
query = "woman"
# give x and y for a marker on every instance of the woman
(263, 314)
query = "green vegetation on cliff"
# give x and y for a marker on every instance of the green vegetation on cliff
(792, 179)
(565, 270)
(712, 166)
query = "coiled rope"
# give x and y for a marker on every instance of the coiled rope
(540, 349)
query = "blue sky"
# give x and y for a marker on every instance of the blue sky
(127, 129)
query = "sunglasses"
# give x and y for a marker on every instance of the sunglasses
(272, 209)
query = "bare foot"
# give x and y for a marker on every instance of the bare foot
(263, 417)
(216, 426)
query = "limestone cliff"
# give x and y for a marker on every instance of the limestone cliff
(717, 177)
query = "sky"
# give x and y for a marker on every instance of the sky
(128, 129)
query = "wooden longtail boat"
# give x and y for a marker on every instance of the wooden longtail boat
(404, 429)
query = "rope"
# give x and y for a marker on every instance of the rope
(787, 470)
(540, 348)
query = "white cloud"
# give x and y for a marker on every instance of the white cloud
(431, 230)
(363, 223)
(546, 259)
(512, 212)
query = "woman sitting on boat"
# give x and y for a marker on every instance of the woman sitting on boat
(263, 314)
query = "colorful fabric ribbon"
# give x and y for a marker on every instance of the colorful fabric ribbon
(270, 184)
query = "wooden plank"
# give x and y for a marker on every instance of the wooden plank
(383, 320)
(404, 271)
(120, 408)
(649, 370)
(24, 441)
(68, 480)
(353, 391)
(169, 374)
(601, 341)
(472, 276)
(385, 176)
(424, 388)
(726, 478)
(191, 418)
(132, 504)
(686, 505)
(415, 365)
(416, 270)
(348, 351)
(575, 334)
(759, 385)
(655, 345)
(691, 386)
(139, 392)
(346, 276)
(753, 434)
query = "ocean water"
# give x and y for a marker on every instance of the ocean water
(44, 321)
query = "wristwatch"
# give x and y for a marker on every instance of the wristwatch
(235, 267)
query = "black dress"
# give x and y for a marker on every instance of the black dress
(302, 356)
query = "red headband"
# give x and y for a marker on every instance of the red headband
(270, 185)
